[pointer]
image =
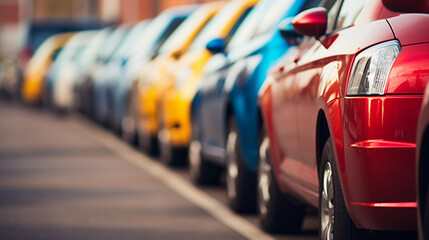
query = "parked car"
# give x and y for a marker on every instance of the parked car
(37, 31)
(81, 69)
(58, 83)
(109, 74)
(86, 88)
(173, 138)
(156, 33)
(32, 86)
(224, 111)
(9, 75)
(153, 71)
(339, 116)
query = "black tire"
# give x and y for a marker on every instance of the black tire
(425, 216)
(240, 181)
(277, 213)
(202, 171)
(148, 144)
(88, 99)
(334, 218)
(128, 132)
(128, 128)
(423, 187)
(46, 96)
(171, 155)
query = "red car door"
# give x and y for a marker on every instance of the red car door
(294, 98)
(283, 103)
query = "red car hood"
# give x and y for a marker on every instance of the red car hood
(410, 28)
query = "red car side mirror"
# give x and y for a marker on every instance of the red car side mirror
(311, 22)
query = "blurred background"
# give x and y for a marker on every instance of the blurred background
(16, 15)
(134, 67)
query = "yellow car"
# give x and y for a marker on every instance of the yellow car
(32, 88)
(175, 124)
(151, 81)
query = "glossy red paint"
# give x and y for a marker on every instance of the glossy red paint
(405, 77)
(410, 6)
(401, 217)
(396, 212)
(380, 144)
(407, 35)
(379, 164)
(312, 22)
(389, 204)
(373, 136)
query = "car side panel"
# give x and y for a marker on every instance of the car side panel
(320, 73)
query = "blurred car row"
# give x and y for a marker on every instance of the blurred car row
(36, 32)
(298, 102)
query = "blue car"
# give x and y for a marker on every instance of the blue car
(101, 72)
(155, 34)
(110, 72)
(225, 114)
(80, 70)
(84, 87)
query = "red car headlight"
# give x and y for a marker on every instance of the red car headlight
(371, 69)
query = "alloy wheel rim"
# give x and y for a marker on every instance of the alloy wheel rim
(232, 168)
(264, 177)
(327, 202)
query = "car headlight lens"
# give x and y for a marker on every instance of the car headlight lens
(371, 69)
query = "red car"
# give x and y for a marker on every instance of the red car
(340, 118)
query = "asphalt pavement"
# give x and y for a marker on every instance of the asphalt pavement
(64, 177)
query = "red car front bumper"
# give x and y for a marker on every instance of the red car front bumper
(378, 169)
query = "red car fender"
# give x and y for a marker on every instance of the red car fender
(329, 103)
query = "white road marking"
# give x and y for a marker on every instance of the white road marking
(173, 180)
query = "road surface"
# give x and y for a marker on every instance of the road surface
(64, 177)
